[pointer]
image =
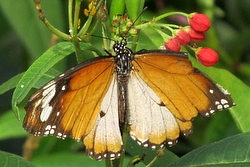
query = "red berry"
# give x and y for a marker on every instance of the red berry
(196, 36)
(183, 37)
(199, 22)
(115, 23)
(207, 56)
(173, 44)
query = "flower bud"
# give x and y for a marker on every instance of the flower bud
(196, 36)
(207, 56)
(199, 22)
(183, 37)
(173, 44)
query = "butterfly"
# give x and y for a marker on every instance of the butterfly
(154, 94)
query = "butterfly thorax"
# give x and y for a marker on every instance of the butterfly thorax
(123, 59)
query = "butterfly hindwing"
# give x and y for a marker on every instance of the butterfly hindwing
(106, 134)
(151, 123)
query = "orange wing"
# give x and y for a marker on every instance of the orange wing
(82, 104)
(166, 94)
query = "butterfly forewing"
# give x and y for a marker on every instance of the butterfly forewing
(72, 105)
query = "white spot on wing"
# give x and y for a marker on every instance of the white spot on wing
(219, 107)
(52, 131)
(61, 75)
(170, 143)
(45, 113)
(48, 127)
(47, 94)
(223, 101)
(63, 87)
(211, 111)
(46, 132)
(222, 104)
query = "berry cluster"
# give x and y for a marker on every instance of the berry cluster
(194, 32)
(122, 27)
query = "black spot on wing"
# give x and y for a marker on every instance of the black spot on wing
(102, 114)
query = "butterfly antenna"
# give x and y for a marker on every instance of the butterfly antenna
(125, 34)
(140, 14)
(137, 18)
(133, 23)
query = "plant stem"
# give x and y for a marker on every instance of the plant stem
(70, 8)
(119, 162)
(74, 26)
(76, 17)
(85, 27)
(159, 154)
(159, 18)
(107, 162)
(54, 30)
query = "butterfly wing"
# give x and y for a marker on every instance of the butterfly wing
(171, 93)
(81, 104)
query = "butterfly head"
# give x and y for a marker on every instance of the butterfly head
(120, 47)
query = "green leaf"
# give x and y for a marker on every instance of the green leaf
(134, 8)
(38, 69)
(152, 43)
(221, 125)
(232, 151)
(10, 84)
(207, 130)
(10, 126)
(12, 160)
(239, 91)
(117, 7)
(66, 159)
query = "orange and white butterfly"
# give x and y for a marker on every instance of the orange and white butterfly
(155, 94)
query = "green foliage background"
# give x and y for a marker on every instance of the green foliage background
(23, 38)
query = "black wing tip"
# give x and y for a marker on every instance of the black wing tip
(218, 105)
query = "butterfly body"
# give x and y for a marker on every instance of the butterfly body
(123, 59)
(155, 94)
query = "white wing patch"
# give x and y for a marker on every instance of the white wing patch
(48, 93)
(151, 123)
(106, 136)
